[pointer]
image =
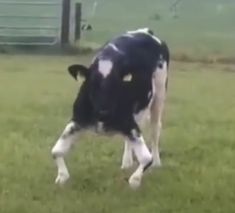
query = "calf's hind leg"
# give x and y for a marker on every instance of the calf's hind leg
(157, 107)
(156, 127)
(127, 158)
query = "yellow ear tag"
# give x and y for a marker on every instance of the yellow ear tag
(127, 78)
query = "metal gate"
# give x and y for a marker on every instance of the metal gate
(30, 22)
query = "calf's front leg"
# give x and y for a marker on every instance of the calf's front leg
(127, 158)
(62, 147)
(144, 158)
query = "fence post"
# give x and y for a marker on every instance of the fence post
(65, 22)
(78, 18)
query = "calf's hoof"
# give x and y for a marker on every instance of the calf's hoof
(61, 178)
(135, 181)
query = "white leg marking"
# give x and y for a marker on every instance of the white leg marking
(157, 111)
(63, 174)
(144, 158)
(127, 158)
(61, 147)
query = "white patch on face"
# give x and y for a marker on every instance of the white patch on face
(105, 67)
(146, 31)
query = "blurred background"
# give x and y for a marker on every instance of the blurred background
(194, 29)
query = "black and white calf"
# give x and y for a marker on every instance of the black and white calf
(126, 80)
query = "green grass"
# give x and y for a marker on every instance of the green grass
(197, 144)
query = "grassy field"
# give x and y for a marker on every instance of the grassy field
(197, 145)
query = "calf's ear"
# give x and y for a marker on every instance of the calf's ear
(76, 69)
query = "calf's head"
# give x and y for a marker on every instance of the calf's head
(104, 85)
